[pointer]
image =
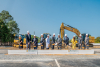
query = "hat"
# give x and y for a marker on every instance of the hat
(34, 35)
(41, 34)
(74, 36)
(65, 34)
(19, 35)
(53, 33)
(47, 35)
(80, 35)
(28, 32)
(86, 34)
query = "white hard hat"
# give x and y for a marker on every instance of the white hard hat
(86, 34)
(65, 34)
(28, 32)
(53, 33)
(47, 35)
(74, 36)
(41, 34)
(80, 35)
(34, 35)
(19, 35)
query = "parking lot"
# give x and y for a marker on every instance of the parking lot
(49, 60)
(53, 63)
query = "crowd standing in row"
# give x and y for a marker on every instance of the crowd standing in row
(57, 42)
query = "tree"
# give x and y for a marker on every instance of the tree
(4, 32)
(97, 40)
(13, 27)
(8, 20)
(5, 16)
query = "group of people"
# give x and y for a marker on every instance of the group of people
(54, 41)
(80, 42)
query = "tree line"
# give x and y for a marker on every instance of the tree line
(8, 27)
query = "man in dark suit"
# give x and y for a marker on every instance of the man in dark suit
(35, 42)
(80, 41)
(53, 41)
(42, 42)
(28, 40)
(66, 40)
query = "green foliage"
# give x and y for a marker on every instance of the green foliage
(69, 41)
(8, 27)
(97, 40)
(4, 32)
(13, 27)
(8, 20)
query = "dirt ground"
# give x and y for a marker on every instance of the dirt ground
(39, 48)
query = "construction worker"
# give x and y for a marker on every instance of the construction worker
(80, 41)
(59, 42)
(20, 42)
(53, 41)
(35, 42)
(66, 40)
(86, 42)
(73, 42)
(28, 40)
(47, 42)
(42, 42)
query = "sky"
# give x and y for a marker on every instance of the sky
(46, 16)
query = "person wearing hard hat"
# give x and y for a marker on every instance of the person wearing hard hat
(28, 40)
(47, 42)
(35, 42)
(80, 41)
(86, 42)
(20, 42)
(66, 40)
(59, 42)
(42, 41)
(73, 42)
(53, 41)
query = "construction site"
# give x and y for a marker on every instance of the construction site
(49, 33)
(51, 57)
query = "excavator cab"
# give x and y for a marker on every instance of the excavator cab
(45, 35)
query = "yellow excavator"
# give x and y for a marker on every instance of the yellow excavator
(16, 40)
(74, 30)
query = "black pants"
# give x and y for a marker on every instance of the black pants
(42, 47)
(86, 46)
(47, 48)
(59, 47)
(52, 46)
(80, 46)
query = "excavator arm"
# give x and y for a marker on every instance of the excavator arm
(69, 28)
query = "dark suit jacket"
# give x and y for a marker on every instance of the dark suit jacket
(80, 40)
(42, 41)
(66, 41)
(53, 40)
(35, 42)
(28, 38)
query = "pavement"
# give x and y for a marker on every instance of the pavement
(50, 60)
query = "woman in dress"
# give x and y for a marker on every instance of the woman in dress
(20, 42)
(73, 43)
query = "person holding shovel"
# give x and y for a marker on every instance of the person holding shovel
(28, 40)
(35, 42)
